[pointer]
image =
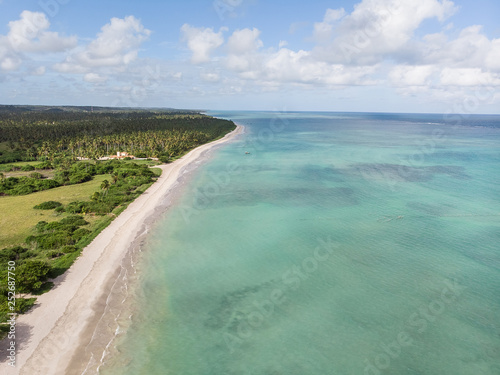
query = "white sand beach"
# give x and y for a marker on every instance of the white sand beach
(49, 335)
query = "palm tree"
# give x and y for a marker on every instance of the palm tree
(105, 186)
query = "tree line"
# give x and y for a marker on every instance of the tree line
(44, 135)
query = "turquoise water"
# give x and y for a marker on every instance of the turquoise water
(341, 244)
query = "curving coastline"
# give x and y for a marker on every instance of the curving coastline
(50, 336)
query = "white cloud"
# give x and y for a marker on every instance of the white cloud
(29, 35)
(493, 56)
(404, 75)
(202, 42)
(468, 77)
(323, 30)
(300, 67)
(40, 71)
(243, 51)
(282, 43)
(10, 63)
(378, 28)
(378, 43)
(469, 49)
(94, 78)
(359, 49)
(115, 47)
(244, 41)
(210, 77)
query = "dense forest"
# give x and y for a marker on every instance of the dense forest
(27, 135)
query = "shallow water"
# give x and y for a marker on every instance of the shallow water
(341, 244)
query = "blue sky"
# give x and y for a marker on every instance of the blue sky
(367, 55)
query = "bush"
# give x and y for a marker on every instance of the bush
(8, 168)
(60, 209)
(25, 185)
(74, 220)
(105, 168)
(30, 275)
(164, 159)
(52, 226)
(78, 178)
(79, 234)
(54, 254)
(40, 226)
(27, 168)
(22, 305)
(26, 255)
(101, 208)
(77, 207)
(49, 205)
(69, 249)
(12, 253)
(44, 165)
(54, 240)
(62, 177)
(83, 167)
(36, 175)
(22, 190)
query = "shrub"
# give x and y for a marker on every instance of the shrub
(22, 190)
(83, 167)
(74, 220)
(79, 234)
(79, 177)
(30, 275)
(25, 185)
(8, 168)
(164, 159)
(12, 253)
(52, 226)
(104, 168)
(40, 226)
(54, 240)
(26, 255)
(69, 249)
(62, 177)
(77, 207)
(60, 209)
(44, 165)
(27, 168)
(101, 208)
(49, 205)
(45, 184)
(30, 240)
(54, 254)
(36, 175)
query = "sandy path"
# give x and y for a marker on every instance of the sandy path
(49, 335)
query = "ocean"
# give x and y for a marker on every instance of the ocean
(326, 243)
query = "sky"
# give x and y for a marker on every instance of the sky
(430, 56)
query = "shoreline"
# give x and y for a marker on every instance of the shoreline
(64, 320)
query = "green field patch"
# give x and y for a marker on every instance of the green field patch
(18, 215)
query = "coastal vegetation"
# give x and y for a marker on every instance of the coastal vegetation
(48, 135)
(56, 191)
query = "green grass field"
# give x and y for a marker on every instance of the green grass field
(17, 215)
